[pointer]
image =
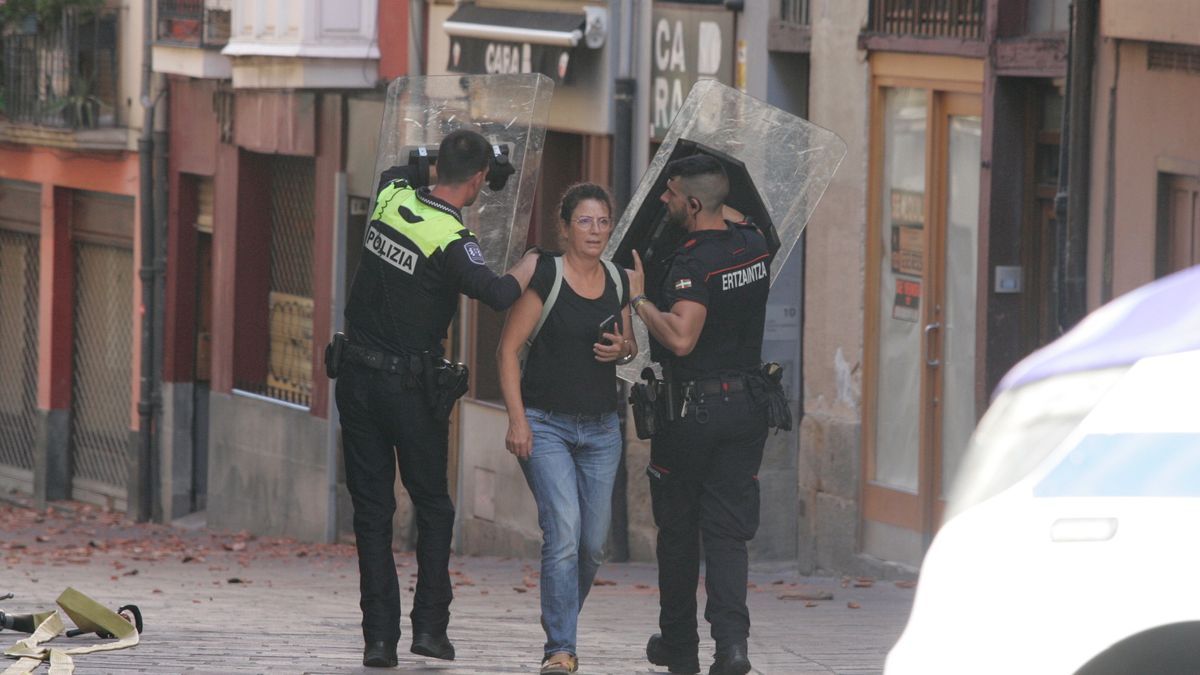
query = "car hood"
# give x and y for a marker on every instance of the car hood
(1041, 585)
(1161, 317)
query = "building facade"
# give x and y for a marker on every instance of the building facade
(71, 250)
(261, 95)
(939, 221)
(997, 186)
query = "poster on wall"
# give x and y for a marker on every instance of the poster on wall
(908, 250)
(907, 303)
(688, 43)
(908, 207)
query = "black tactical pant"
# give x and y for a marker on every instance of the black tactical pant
(704, 484)
(385, 420)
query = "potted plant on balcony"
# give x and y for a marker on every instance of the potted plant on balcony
(80, 108)
(27, 16)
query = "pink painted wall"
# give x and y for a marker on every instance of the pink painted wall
(1155, 128)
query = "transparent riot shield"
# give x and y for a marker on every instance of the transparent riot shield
(509, 110)
(779, 166)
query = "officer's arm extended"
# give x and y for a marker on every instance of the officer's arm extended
(677, 330)
(464, 264)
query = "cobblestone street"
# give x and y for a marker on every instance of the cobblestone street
(232, 603)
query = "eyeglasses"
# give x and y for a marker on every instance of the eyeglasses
(586, 222)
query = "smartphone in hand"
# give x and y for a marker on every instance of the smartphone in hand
(608, 325)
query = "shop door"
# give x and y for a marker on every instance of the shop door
(204, 329)
(921, 331)
(1039, 249)
(102, 373)
(20, 213)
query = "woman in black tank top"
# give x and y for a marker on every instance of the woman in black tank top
(562, 409)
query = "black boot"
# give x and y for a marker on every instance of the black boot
(731, 661)
(437, 646)
(661, 655)
(380, 654)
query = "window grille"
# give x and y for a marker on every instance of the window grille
(290, 306)
(795, 11)
(103, 374)
(1184, 58)
(18, 360)
(189, 22)
(928, 18)
(61, 74)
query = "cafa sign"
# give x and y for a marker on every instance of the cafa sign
(689, 43)
(487, 57)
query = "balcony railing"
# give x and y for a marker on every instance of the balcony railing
(959, 19)
(62, 73)
(795, 11)
(190, 23)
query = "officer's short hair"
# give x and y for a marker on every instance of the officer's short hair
(703, 177)
(462, 154)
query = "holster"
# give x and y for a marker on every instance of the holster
(334, 355)
(766, 387)
(444, 383)
(649, 405)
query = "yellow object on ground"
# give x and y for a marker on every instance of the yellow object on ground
(89, 616)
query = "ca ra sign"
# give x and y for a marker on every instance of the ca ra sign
(671, 64)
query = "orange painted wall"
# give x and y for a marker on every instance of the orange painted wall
(393, 38)
(114, 173)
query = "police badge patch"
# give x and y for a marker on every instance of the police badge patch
(474, 253)
(682, 284)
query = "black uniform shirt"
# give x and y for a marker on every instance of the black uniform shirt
(729, 272)
(405, 291)
(561, 372)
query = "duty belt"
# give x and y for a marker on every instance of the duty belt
(714, 386)
(392, 363)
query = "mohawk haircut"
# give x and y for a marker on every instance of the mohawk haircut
(702, 177)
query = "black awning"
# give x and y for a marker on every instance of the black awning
(487, 57)
(559, 29)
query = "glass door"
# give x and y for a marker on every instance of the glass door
(920, 398)
(954, 404)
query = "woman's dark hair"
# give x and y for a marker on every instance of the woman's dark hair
(580, 192)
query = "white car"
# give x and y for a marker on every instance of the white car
(1072, 535)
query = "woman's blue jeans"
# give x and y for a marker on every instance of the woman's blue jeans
(571, 472)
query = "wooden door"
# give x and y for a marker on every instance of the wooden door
(921, 336)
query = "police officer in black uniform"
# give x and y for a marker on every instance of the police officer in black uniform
(419, 257)
(707, 333)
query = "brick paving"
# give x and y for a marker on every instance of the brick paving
(233, 603)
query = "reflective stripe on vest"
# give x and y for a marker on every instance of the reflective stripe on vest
(432, 230)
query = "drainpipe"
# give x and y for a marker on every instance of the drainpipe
(1110, 182)
(141, 508)
(1075, 175)
(160, 295)
(624, 92)
(416, 37)
(624, 25)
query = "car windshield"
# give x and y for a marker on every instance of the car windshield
(1021, 428)
(1127, 465)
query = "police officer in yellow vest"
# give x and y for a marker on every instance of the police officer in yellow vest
(419, 257)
